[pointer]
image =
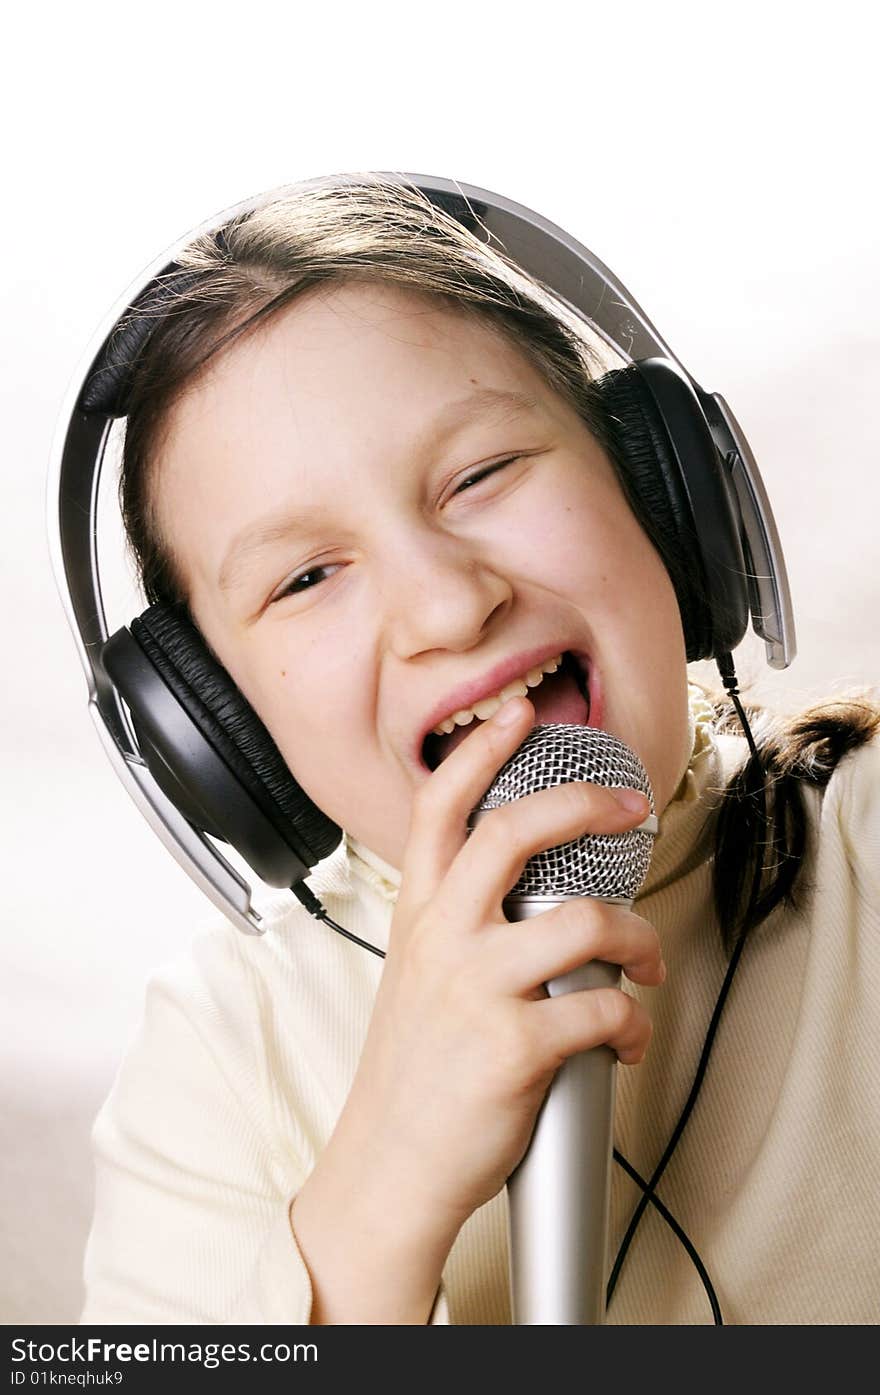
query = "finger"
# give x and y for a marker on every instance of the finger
(492, 859)
(531, 952)
(595, 1017)
(441, 805)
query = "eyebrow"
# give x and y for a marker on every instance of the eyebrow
(498, 405)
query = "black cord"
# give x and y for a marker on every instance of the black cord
(671, 1221)
(729, 679)
(305, 894)
(680, 1126)
(728, 675)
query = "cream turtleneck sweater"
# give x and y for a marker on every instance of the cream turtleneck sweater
(248, 1047)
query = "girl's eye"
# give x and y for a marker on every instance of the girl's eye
(304, 581)
(483, 474)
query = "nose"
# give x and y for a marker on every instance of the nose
(441, 594)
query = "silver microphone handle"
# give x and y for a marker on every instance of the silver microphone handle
(558, 1195)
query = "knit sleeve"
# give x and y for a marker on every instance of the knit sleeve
(192, 1192)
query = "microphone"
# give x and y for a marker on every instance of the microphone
(559, 1193)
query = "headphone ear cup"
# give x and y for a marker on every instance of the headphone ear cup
(670, 471)
(226, 719)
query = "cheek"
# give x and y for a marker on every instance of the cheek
(311, 701)
(316, 697)
(580, 540)
(323, 723)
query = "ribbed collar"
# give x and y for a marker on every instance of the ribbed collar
(679, 845)
(372, 868)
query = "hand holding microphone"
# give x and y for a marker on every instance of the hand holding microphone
(463, 1041)
(559, 1193)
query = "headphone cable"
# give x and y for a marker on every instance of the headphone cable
(728, 675)
(308, 898)
(670, 1220)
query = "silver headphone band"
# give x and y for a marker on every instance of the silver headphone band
(572, 274)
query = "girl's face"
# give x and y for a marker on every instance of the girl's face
(355, 548)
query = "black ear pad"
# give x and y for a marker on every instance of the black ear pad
(672, 474)
(224, 716)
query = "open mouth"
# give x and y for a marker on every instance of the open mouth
(563, 696)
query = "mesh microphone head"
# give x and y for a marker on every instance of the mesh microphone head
(597, 864)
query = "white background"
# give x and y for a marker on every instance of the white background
(721, 159)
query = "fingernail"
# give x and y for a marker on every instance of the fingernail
(508, 712)
(632, 800)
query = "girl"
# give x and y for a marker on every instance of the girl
(373, 474)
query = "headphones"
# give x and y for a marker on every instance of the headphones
(190, 749)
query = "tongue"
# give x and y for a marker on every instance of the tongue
(559, 699)
(556, 699)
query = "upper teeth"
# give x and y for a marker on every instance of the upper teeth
(487, 706)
